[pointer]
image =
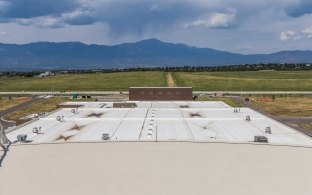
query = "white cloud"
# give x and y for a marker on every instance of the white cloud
(3, 33)
(154, 8)
(44, 22)
(285, 36)
(308, 32)
(297, 38)
(4, 5)
(216, 20)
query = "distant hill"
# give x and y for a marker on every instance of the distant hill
(147, 53)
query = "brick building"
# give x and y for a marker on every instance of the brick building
(160, 93)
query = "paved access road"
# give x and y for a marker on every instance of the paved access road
(289, 121)
(7, 124)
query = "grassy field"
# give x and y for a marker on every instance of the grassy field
(226, 100)
(306, 126)
(202, 81)
(6, 102)
(45, 105)
(246, 81)
(85, 82)
(286, 106)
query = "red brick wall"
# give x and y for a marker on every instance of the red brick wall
(68, 106)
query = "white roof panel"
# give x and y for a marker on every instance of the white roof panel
(159, 121)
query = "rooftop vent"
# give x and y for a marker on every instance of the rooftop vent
(261, 139)
(60, 118)
(106, 136)
(149, 135)
(22, 138)
(36, 130)
(248, 118)
(268, 130)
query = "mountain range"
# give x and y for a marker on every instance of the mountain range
(146, 53)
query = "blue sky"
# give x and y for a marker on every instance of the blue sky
(242, 26)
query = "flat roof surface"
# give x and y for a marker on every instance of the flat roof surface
(159, 121)
(156, 168)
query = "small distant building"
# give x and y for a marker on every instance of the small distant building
(46, 74)
(266, 70)
(160, 93)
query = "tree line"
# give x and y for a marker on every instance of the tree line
(244, 67)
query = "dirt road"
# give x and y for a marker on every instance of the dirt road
(170, 81)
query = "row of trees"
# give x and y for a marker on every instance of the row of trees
(245, 67)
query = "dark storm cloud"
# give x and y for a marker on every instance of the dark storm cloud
(128, 16)
(78, 17)
(302, 8)
(136, 17)
(33, 8)
(223, 24)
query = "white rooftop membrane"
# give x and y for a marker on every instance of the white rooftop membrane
(159, 121)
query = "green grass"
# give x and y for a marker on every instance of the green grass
(45, 105)
(200, 81)
(285, 106)
(227, 100)
(246, 81)
(306, 126)
(85, 82)
(7, 103)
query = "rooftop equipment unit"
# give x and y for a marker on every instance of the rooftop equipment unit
(248, 118)
(261, 139)
(36, 130)
(60, 118)
(105, 136)
(235, 110)
(268, 130)
(22, 138)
